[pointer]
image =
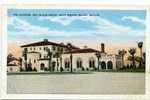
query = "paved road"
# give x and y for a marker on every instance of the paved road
(96, 83)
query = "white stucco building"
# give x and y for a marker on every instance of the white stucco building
(46, 55)
(13, 66)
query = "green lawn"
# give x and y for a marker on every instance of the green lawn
(81, 72)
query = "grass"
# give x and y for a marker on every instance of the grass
(81, 72)
(125, 70)
(37, 73)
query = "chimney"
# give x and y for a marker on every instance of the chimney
(102, 47)
(45, 40)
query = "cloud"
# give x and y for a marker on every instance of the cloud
(102, 25)
(103, 29)
(26, 26)
(134, 19)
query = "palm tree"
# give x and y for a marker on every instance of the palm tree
(49, 54)
(25, 58)
(98, 55)
(20, 63)
(140, 45)
(10, 58)
(122, 54)
(138, 59)
(132, 52)
(144, 59)
(69, 46)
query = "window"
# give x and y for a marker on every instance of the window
(91, 63)
(40, 55)
(42, 66)
(25, 49)
(45, 56)
(29, 60)
(109, 64)
(40, 48)
(31, 48)
(79, 63)
(34, 48)
(103, 65)
(67, 63)
(34, 61)
(44, 48)
(54, 48)
(61, 49)
(58, 49)
(11, 69)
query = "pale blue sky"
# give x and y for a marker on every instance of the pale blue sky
(116, 26)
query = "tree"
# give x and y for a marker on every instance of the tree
(25, 58)
(122, 54)
(140, 46)
(98, 55)
(10, 58)
(144, 59)
(132, 52)
(20, 61)
(69, 46)
(138, 59)
(49, 54)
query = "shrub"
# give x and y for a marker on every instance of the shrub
(83, 69)
(61, 69)
(45, 69)
(87, 69)
(35, 69)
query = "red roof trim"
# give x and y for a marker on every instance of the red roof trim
(42, 43)
(87, 50)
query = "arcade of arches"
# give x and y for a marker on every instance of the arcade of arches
(109, 65)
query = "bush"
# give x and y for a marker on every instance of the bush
(87, 69)
(45, 69)
(21, 69)
(82, 68)
(61, 69)
(35, 69)
(74, 69)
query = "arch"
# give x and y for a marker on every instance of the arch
(79, 63)
(103, 65)
(67, 63)
(92, 62)
(42, 66)
(109, 65)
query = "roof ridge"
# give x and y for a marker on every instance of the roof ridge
(40, 43)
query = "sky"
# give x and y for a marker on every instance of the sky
(116, 28)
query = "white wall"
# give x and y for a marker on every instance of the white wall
(13, 68)
(86, 56)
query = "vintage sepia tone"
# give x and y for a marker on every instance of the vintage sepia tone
(76, 51)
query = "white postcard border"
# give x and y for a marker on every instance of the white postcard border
(70, 96)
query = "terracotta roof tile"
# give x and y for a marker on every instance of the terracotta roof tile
(42, 43)
(87, 50)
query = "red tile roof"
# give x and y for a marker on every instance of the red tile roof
(87, 50)
(42, 43)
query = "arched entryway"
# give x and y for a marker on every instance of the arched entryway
(109, 65)
(103, 65)
(42, 66)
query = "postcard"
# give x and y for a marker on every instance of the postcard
(75, 50)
